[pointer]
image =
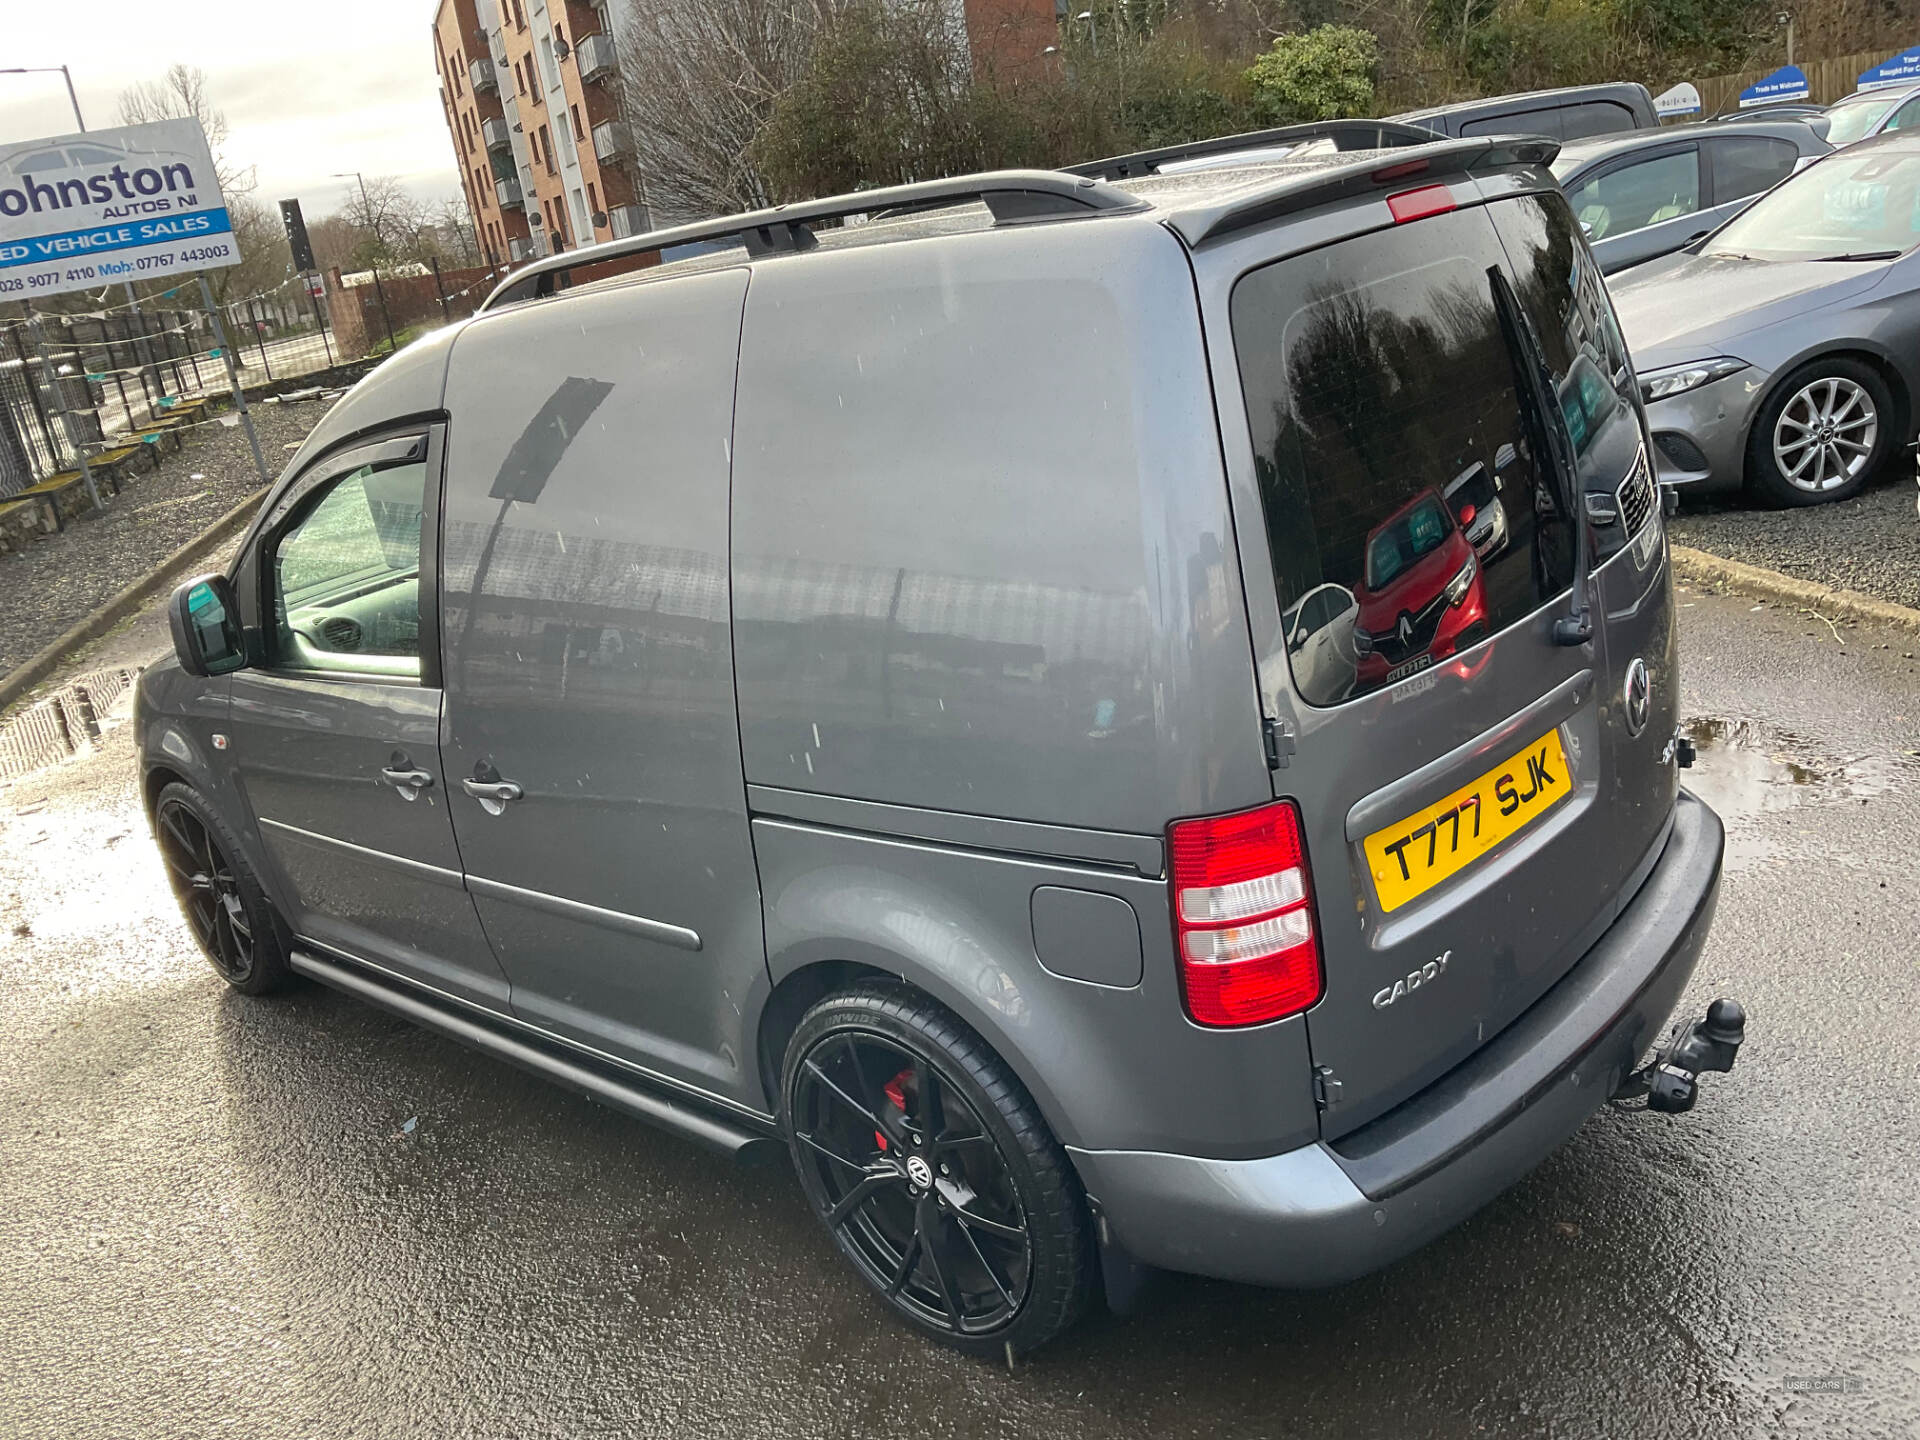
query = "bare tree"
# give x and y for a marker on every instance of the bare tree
(182, 95)
(698, 80)
(458, 240)
(390, 221)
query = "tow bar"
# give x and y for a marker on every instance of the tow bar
(1670, 1081)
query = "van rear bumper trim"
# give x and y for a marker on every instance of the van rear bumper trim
(1313, 1216)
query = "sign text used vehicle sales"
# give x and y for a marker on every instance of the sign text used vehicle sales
(79, 212)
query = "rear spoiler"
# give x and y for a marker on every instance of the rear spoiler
(1345, 135)
(1434, 162)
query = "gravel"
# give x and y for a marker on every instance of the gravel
(1870, 543)
(63, 578)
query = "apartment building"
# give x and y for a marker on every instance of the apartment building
(555, 163)
(528, 88)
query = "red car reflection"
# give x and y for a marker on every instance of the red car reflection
(1420, 593)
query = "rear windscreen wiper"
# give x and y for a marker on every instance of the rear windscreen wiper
(1863, 255)
(1537, 394)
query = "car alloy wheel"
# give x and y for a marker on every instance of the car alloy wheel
(1826, 434)
(911, 1183)
(208, 889)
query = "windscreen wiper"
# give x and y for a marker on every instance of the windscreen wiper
(1863, 255)
(1537, 394)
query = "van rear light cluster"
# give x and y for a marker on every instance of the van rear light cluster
(1243, 916)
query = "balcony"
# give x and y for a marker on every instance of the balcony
(519, 248)
(493, 130)
(480, 74)
(508, 193)
(628, 220)
(611, 140)
(594, 55)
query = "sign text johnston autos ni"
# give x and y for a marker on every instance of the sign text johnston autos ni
(79, 212)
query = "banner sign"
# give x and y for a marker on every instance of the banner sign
(1789, 82)
(1902, 69)
(78, 212)
(1682, 99)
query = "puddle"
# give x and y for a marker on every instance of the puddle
(1744, 771)
(66, 723)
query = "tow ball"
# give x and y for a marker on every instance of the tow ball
(1670, 1081)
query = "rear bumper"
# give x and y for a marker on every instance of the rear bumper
(1320, 1216)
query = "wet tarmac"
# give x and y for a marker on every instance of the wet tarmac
(216, 1219)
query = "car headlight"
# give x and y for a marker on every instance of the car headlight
(1678, 379)
(1458, 586)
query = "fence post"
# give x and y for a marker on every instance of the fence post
(33, 395)
(380, 290)
(233, 376)
(253, 317)
(438, 288)
(66, 414)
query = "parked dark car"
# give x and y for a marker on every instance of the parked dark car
(1571, 113)
(1783, 351)
(1642, 195)
(832, 693)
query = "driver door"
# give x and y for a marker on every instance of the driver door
(334, 726)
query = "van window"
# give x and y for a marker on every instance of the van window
(1745, 165)
(1394, 451)
(1632, 197)
(346, 575)
(1595, 117)
(1516, 122)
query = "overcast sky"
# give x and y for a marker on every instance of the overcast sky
(307, 89)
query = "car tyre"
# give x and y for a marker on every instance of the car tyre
(220, 897)
(931, 1167)
(1822, 435)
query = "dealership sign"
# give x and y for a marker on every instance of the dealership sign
(1902, 69)
(1682, 99)
(78, 212)
(1789, 82)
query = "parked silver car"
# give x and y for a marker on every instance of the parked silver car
(833, 692)
(1866, 113)
(1783, 351)
(1645, 194)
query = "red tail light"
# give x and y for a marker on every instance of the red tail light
(1243, 916)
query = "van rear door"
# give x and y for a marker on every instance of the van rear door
(1427, 407)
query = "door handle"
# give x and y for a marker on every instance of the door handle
(408, 782)
(493, 795)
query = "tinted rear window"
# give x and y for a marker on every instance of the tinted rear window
(1395, 457)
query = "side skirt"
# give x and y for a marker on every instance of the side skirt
(727, 1135)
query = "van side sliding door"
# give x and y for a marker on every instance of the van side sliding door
(590, 738)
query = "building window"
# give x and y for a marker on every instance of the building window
(519, 79)
(593, 198)
(519, 16)
(578, 134)
(546, 148)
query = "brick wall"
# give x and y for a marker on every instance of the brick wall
(411, 300)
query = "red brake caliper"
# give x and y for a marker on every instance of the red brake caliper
(896, 1091)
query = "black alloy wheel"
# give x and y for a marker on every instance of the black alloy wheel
(222, 902)
(967, 1225)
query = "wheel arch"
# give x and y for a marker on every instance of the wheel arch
(798, 992)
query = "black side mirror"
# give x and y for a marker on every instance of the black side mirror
(206, 627)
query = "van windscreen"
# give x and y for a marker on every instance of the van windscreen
(1397, 454)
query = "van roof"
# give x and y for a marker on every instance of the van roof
(1529, 99)
(1228, 193)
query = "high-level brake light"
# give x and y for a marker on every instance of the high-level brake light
(1418, 204)
(1243, 916)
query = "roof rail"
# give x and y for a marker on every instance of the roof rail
(1014, 196)
(1345, 134)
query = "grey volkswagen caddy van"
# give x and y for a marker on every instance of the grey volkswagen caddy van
(1125, 725)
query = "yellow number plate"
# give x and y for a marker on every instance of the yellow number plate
(1413, 855)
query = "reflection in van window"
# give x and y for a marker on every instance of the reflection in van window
(1393, 454)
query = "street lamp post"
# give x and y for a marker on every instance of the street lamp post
(55, 390)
